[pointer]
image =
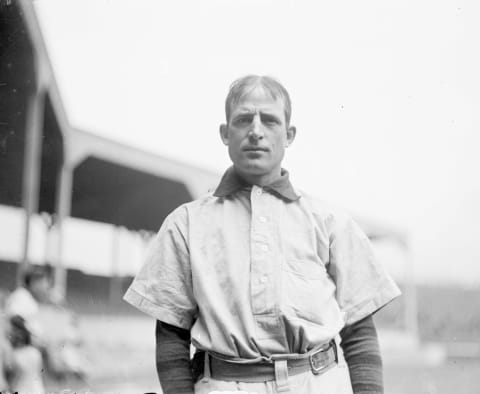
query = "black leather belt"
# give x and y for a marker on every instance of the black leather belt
(318, 361)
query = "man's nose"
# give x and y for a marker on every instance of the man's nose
(256, 131)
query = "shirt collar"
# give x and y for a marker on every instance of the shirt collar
(232, 182)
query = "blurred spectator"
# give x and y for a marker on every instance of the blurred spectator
(25, 333)
(65, 356)
(44, 335)
(4, 348)
(25, 300)
(29, 299)
(24, 363)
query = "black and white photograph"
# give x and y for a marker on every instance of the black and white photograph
(239, 196)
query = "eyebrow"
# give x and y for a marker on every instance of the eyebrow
(247, 111)
(264, 116)
(269, 116)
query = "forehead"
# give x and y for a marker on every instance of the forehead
(258, 99)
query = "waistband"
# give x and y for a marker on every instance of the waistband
(318, 360)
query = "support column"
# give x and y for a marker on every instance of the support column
(64, 201)
(31, 171)
(115, 288)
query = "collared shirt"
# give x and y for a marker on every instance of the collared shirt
(257, 271)
(22, 303)
(231, 183)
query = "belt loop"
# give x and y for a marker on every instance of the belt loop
(206, 368)
(333, 344)
(281, 375)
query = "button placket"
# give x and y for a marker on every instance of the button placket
(261, 258)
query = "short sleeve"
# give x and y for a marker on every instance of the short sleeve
(163, 286)
(362, 284)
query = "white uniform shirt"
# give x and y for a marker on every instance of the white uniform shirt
(258, 271)
(22, 303)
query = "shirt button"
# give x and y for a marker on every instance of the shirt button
(264, 279)
(263, 219)
(264, 248)
(259, 191)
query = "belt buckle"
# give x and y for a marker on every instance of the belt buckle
(318, 370)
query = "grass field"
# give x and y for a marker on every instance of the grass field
(444, 314)
(454, 377)
(119, 344)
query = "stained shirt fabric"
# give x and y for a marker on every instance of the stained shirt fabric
(260, 271)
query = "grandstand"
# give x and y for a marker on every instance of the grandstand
(57, 180)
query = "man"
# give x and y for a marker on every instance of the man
(25, 301)
(260, 277)
(26, 333)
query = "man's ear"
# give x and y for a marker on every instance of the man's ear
(224, 133)
(291, 133)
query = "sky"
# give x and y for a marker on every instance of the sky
(385, 99)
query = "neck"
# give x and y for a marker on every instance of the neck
(261, 179)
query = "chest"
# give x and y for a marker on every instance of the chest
(258, 233)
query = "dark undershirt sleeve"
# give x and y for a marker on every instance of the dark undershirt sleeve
(173, 359)
(362, 353)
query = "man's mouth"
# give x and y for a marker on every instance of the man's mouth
(255, 149)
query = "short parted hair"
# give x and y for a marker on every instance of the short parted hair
(245, 85)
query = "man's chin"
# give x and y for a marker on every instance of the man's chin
(251, 169)
(255, 174)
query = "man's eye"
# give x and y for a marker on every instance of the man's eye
(269, 120)
(243, 120)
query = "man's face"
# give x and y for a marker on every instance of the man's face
(40, 288)
(256, 135)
